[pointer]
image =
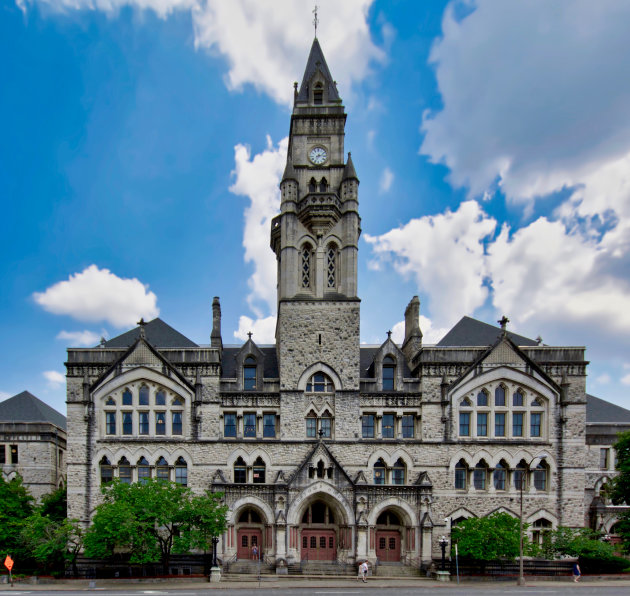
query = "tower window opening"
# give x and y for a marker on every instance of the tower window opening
(323, 185)
(306, 266)
(331, 268)
(318, 95)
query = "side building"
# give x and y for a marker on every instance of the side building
(326, 449)
(32, 443)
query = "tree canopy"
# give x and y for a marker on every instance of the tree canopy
(487, 538)
(152, 519)
(618, 489)
(16, 504)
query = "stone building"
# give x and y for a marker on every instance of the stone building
(32, 443)
(327, 449)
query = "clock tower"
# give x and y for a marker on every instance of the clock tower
(315, 237)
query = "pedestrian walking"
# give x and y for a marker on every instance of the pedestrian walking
(577, 573)
(255, 552)
(363, 571)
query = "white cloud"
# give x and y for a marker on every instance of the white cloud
(80, 338)
(257, 178)
(99, 295)
(263, 330)
(444, 254)
(626, 380)
(387, 178)
(263, 42)
(535, 92)
(55, 379)
(430, 334)
(603, 379)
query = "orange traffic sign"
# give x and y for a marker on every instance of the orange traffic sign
(8, 562)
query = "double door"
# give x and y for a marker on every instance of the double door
(388, 545)
(319, 545)
(249, 543)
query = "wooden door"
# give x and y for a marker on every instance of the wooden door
(319, 545)
(388, 545)
(248, 538)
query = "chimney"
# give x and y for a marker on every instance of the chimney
(215, 336)
(413, 335)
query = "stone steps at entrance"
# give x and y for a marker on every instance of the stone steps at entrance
(248, 567)
(396, 570)
(318, 568)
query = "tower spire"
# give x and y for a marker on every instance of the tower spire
(315, 20)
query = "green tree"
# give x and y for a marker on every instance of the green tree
(16, 504)
(55, 504)
(487, 538)
(618, 489)
(151, 520)
(53, 543)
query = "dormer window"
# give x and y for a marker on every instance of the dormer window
(320, 383)
(389, 370)
(318, 95)
(249, 374)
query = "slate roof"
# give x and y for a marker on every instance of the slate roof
(270, 363)
(471, 332)
(158, 334)
(316, 59)
(25, 407)
(601, 411)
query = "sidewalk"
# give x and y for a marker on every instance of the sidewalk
(268, 582)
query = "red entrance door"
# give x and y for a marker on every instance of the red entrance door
(318, 545)
(247, 540)
(388, 545)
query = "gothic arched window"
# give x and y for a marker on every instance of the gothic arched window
(240, 471)
(259, 471)
(160, 398)
(379, 472)
(144, 470)
(181, 471)
(320, 383)
(127, 398)
(389, 373)
(398, 472)
(500, 476)
(480, 475)
(249, 374)
(305, 266)
(124, 470)
(540, 476)
(499, 396)
(162, 470)
(143, 396)
(323, 185)
(461, 475)
(331, 266)
(312, 185)
(107, 472)
(482, 398)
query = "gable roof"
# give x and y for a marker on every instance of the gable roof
(158, 334)
(471, 332)
(25, 407)
(599, 410)
(317, 61)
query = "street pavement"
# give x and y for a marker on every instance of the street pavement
(603, 586)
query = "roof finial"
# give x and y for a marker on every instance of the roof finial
(503, 322)
(141, 323)
(389, 335)
(315, 20)
(249, 334)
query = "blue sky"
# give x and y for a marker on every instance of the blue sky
(143, 140)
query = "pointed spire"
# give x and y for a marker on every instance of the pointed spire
(349, 171)
(289, 171)
(316, 61)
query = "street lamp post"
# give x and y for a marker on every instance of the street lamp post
(524, 475)
(443, 542)
(215, 542)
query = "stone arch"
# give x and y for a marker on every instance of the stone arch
(543, 513)
(327, 493)
(501, 456)
(319, 367)
(599, 483)
(235, 454)
(137, 375)
(306, 239)
(377, 454)
(262, 453)
(253, 502)
(504, 510)
(457, 457)
(482, 454)
(405, 511)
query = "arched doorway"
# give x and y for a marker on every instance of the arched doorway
(249, 535)
(388, 537)
(318, 533)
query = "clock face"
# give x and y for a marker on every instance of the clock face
(318, 155)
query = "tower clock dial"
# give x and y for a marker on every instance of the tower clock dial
(318, 155)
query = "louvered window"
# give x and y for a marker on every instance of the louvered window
(306, 267)
(332, 267)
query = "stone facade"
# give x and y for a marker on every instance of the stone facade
(324, 448)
